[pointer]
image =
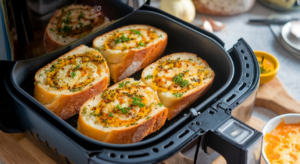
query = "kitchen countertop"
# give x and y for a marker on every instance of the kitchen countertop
(259, 37)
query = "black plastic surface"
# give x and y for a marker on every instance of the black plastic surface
(169, 140)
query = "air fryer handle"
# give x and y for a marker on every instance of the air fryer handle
(8, 117)
(242, 151)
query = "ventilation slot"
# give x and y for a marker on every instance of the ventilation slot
(242, 51)
(247, 74)
(155, 150)
(57, 153)
(201, 131)
(198, 123)
(247, 65)
(245, 57)
(112, 155)
(138, 155)
(231, 97)
(211, 112)
(242, 87)
(168, 145)
(183, 134)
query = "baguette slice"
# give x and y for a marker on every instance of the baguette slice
(179, 79)
(71, 23)
(65, 84)
(130, 48)
(124, 113)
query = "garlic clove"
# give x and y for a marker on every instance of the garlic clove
(206, 25)
(183, 9)
(216, 25)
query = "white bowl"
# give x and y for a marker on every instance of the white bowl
(292, 118)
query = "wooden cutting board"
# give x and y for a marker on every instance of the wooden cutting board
(16, 148)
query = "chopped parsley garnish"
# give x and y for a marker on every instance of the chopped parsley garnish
(76, 89)
(160, 104)
(124, 110)
(110, 114)
(35, 83)
(80, 15)
(84, 110)
(51, 29)
(179, 95)
(160, 35)
(45, 71)
(73, 74)
(136, 32)
(122, 39)
(149, 77)
(178, 80)
(137, 101)
(148, 117)
(141, 43)
(40, 75)
(121, 85)
(97, 49)
(77, 67)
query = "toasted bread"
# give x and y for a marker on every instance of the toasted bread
(65, 84)
(70, 23)
(124, 113)
(179, 79)
(130, 48)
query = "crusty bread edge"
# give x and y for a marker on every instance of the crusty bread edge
(147, 55)
(67, 105)
(187, 99)
(127, 135)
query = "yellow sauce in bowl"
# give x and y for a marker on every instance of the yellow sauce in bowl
(265, 65)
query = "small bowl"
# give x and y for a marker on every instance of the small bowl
(266, 77)
(291, 118)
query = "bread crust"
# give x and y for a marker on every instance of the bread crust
(67, 105)
(126, 135)
(202, 7)
(176, 105)
(147, 55)
(50, 44)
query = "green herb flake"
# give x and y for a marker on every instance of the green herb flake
(137, 101)
(160, 104)
(178, 95)
(51, 29)
(98, 49)
(84, 110)
(73, 74)
(141, 43)
(110, 114)
(148, 117)
(149, 77)
(124, 110)
(35, 83)
(80, 15)
(121, 85)
(77, 67)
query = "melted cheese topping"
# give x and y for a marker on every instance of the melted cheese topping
(77, 21)
(128, 39)
(74, 72)
(283, 144)
(123, 106)
(178, 76)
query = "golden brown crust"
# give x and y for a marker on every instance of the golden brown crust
(50, 44)
(201, 7)
(67, 105)
(146, 55)
(127, 135)
(180, 104)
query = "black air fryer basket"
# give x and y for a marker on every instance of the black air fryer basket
(216, 119)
